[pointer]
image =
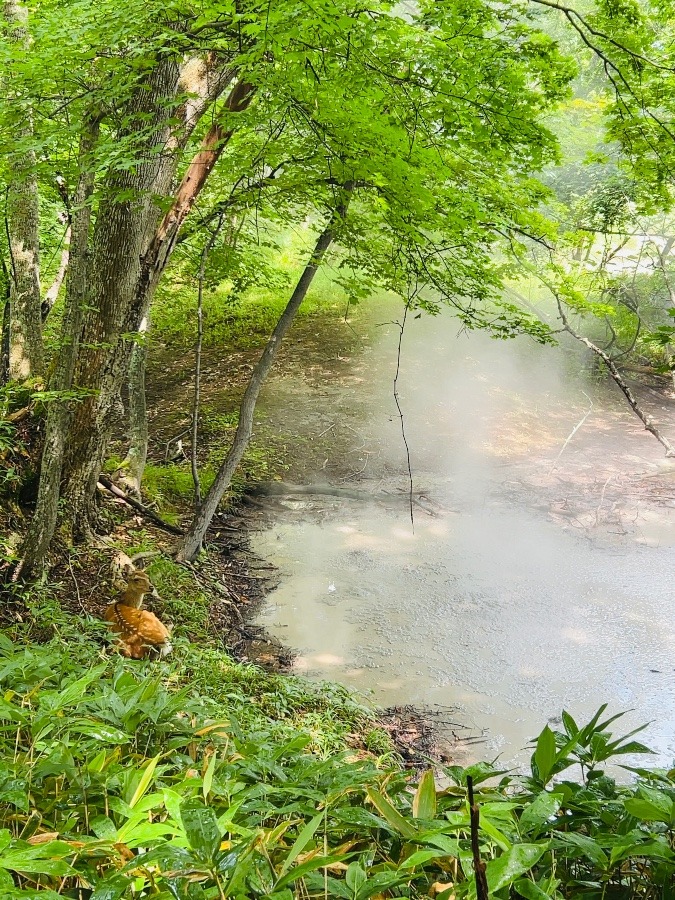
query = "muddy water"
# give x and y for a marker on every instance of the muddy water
(538, 573)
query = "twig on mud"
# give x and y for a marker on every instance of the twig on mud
(573, 431)
(602, 498)
(144, 555)
(646, 420)
(326, 430)
(401, 326)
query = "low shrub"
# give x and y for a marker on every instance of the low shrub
(113, 786)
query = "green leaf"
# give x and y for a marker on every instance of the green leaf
(318, 862)
(495, 833)
(391, 815)
(537, 814)
(571, 726)
(201, 828)
(301, 842)
(544, 756)
(208, 775)
(75, 691)
(657, 849)
(422, 856)
(531, 891)
(379, 883)
(104, 828)
(585, 846)
(510, 865)
(111, 888)
(648, 811)
(145, 780)
(355, 877)
(424, 801)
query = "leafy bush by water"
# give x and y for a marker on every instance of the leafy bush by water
(113, 787)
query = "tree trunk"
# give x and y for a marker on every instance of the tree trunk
(4, 340)
(164, 239)
(191, 544)
(54, 288)
(125, 219)
(134, 462)
(26, 351)
(43, 523)
(130, 255)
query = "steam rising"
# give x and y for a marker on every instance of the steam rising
(536, 586)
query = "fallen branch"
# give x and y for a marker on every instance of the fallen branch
(110, 486)
(646, 420)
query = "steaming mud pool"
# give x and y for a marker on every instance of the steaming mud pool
(538, 573)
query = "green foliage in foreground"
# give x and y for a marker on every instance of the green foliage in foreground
(112, 786)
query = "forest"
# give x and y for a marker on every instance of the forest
(213, 211)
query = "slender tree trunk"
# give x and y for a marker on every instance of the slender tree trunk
(663, 254)
(191, 544)
(208, 246)
(43, 523)
(53, 291)
(137, 454)
(4, 338)
(26, 351)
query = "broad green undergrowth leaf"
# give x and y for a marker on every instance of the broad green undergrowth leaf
(512, 864)
(201, 829)
(424, 801)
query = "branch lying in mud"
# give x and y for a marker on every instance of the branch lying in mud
(646, 420)
(110, 486)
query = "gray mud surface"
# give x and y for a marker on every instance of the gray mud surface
(539, 572)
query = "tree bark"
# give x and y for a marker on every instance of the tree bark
(4, 340)
(125, 218)
(164, 239)
(191, 544)
(26, 351)
(130, 255)
(43, 523)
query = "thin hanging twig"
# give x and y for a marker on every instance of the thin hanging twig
(574, 430)
(208, 246)
(401, 327)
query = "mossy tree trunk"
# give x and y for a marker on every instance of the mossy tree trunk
(130, 253)
(26, 351)
(43, 523)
